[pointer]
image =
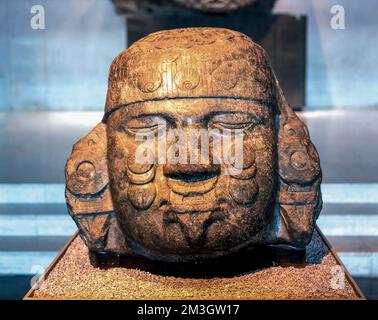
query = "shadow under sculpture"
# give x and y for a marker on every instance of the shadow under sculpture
(203, 79)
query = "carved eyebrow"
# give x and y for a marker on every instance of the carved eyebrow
(212, 114)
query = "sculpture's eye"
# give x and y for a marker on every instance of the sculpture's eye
(144, 129)
(231, 125)
(235, 121)
(145, 125)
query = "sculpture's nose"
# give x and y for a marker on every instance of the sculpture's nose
(192, 162)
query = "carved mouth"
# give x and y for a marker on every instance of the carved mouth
(193, 188)
(170, 211)
(194, 204)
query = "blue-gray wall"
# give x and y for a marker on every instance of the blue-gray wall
(342, 65)
(65, 66)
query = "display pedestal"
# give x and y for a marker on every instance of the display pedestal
(265, 273)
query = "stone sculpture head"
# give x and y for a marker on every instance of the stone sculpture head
(140, 183)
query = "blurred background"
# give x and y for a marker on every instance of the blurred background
(54, 60)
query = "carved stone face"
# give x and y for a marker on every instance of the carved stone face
(196, 208)
(210, 95)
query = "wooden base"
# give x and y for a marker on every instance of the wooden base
(262, 273)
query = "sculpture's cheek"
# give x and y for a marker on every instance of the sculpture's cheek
(132, 179)
(243, 192)
(136, 166)
(142, 178)
(142, 196)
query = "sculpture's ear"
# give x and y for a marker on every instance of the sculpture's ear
(88, 196)
(299, 197)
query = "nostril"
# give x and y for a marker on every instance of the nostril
(192, 176)
(191, 180)
(163, 203)
(191, 173)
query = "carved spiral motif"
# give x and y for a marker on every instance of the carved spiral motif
(187, 79)
(149, 81)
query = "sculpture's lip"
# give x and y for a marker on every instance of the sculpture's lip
(194, 188)
(178, 210)
(201, 204)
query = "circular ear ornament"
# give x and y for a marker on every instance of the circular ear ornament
(86, 173)
(298, 165)
(86, 169)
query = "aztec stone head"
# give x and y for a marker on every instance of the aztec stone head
(198, 154)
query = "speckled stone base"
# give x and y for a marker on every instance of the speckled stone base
(319, 276)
